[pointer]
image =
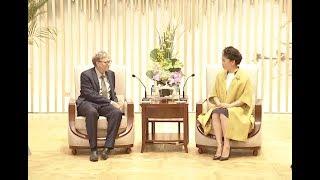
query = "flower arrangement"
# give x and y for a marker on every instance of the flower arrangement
(165, 67)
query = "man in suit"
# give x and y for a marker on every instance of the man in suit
(97, 97)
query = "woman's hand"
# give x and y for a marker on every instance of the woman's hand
(237, 103)
(224, 105)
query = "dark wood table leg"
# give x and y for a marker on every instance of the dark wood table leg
(153, 130)
(185, 129)
(144, 131)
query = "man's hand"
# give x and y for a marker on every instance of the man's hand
(113, 103)
(121, 104)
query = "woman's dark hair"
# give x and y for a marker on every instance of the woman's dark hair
(232, 54)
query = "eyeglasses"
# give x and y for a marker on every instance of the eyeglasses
(106, 62)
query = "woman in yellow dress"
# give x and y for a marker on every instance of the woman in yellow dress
(231, 116)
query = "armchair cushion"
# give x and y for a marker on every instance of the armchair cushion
(80, 125)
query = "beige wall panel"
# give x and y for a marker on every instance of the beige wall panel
(127, 29)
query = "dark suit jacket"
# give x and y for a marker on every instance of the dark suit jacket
(89, 85)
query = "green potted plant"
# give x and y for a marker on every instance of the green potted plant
(35, 32)
(165, 67)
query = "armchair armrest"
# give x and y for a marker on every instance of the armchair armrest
(72, 113)
(258, 110)
(72, 110)
(200, 106)
(128, 111)
(258, 117)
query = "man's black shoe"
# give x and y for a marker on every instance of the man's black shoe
(105, 153)
(94, 156)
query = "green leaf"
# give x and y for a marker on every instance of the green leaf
(150, 74)
(34, 8)
(167, 64)
(178, 64)
(36, 33)
(174, 69)
(154, 54)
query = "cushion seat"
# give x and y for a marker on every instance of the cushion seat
(80, 125)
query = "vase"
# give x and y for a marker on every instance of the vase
(165, 92)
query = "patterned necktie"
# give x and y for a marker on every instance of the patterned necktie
(104, 88)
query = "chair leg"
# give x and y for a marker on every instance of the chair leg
(128, 150)
(200, 150)
(74, 151)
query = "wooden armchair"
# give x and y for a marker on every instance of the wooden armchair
(77, 133)
(202, 106)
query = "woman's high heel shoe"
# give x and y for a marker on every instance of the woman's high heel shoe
(215, 157)
(225, 158)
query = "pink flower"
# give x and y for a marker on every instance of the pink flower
(156, 77)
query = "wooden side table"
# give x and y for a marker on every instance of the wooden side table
(164, 112)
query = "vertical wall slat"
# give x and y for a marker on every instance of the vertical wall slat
(197, 93)
(185, 40)
(47, 77)
(86, 16)
(208, 41)
(30, 78)
(116, 32)
(101, 24)
(279, 56)
(223, 19)
(69, 40)
(170, 9)
(271, 58)
(289, 17)
(54, 67)
(262, 59)
(132, 50)
(147, 39)
(109, 25)
(40, 65)
(76, 41)
(89, 9)
(245, 49)
(209, 33)
(193, 18)
(240, 26)
(163, 19)
(256, 25)
(232, 23)
(63, 57)
(124, 17)
(93, 29)
(216, 54)
(176, 11)
(155, 21)
(141, 89)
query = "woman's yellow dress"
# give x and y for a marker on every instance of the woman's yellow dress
(241, 121)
